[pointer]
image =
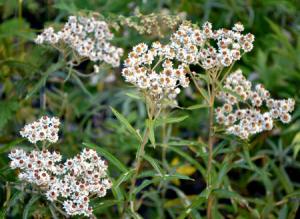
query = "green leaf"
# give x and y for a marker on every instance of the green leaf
(296, 144)
(53, 212)
(144, 184)
(29, 205)
(283, 213)
(7, 111)
(134, 96)
(151, 124)
(186, 203)
(148, 182)
(15, 28)
(176, 176)
(5, 148)
(108, 156)
(123, 178)
(81, 85)
(283, 178)
(124, 122)
(197, 106)
(42, 81)
(224, 193)
(203, 77)
(105, 204)
(169, 120)
(154, 164)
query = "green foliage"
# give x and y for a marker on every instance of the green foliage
(254, 179)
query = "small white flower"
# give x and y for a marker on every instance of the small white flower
(86, 36)
(249, 121)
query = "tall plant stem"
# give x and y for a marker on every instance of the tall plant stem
(138, 164)
(210, 145)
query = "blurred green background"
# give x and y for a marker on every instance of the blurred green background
(28, 74)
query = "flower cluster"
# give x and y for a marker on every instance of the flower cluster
(90, 38)
(152, 71)
(154, 24)
(193, 45)
(44, 129)
(251, 119)
(73, 181)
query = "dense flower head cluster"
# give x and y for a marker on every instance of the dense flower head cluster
(153, 71)
(72, 181)
(210, 48)
(44, 129)
(251, 119)
(87, 36)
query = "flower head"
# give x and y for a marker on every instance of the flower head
(44, 129)
(242, 113)
(88, 37)
(153, 71)
(210, 48)
(72, 181)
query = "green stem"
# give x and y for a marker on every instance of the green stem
(210, 148)
(138, 165)
(198, 87)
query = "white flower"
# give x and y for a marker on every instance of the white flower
(86, 36)
(141, 70)
(192, 45)
(44, 129)
(245, 122)
(74, 181)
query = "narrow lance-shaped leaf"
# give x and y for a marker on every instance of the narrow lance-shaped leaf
(154, 164)
(43, 80)
(123, 178)
(169, 120)
(29, 206)
(124, 122)
(150, 125)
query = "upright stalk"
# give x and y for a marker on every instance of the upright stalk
(210, 152)
(139, 157)
(138, 164)
(212, 82)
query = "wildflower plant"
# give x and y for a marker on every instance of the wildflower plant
(70, 183)
(155, 159)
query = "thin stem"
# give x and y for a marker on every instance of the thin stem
(59, 210)
(164, 139)
(226, 73)
(197, 86)
(210, 147)
(139, 160)
(158, 62)
(139, 155)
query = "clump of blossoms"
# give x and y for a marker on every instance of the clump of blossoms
(88, 37)
(44, 129)
(243, 114)
(154, 24)
(154, 73)
(72, 182)
(210, 48)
